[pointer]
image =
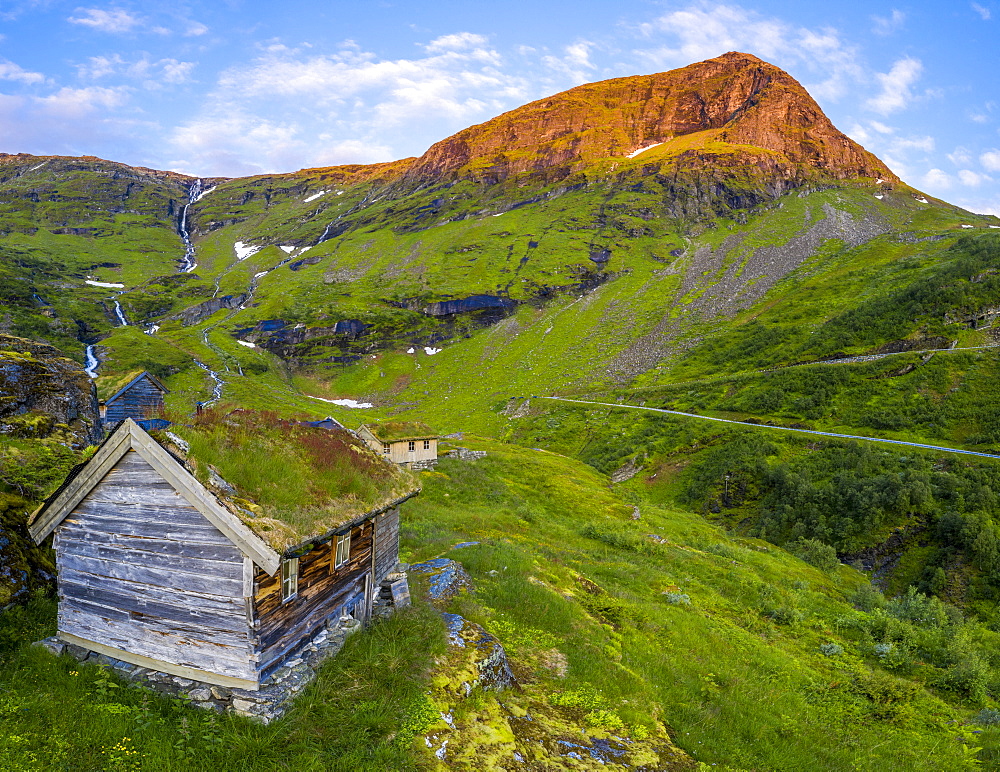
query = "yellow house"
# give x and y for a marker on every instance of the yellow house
(409, 443)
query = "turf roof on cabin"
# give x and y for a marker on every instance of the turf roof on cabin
(290, 483)
(108, 386)
(394, 431)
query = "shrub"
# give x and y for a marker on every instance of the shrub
(831, 649)
(987, 717)
(815, 553)
(677, 598)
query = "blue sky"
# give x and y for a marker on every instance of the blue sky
(237, 87)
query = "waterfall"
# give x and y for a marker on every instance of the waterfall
(122, 321)
(92, 362)
(188, 264)
(219, 383)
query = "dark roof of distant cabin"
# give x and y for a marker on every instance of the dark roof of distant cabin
(129, 380)
(396, 431)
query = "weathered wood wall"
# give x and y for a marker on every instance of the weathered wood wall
(399, 451)
(142, 571)
(142, 400)
(386, 543)
(323, 593)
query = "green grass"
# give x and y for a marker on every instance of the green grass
(60, 715)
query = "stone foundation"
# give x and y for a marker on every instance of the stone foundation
(277, 690)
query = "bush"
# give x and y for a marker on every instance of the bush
(831, 649)
(815, 553)
(987, 717)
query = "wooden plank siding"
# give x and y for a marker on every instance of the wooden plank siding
(141, 400)
(323, 592)
(386, 543)
(144, 572)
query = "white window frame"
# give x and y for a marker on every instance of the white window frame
(427, 444)
(386, 448)
(343, 553)
(412, 446)
(289, 579)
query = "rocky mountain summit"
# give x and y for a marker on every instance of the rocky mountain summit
(733, 103)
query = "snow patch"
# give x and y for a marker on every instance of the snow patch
(110, 284)
(432, 351)
(243, 251)
(340, 192)
(352, 403)
(247, 343)
(314, 196)
(879, 181)
(879, 196)
(151, 330)
(258, 275)
(634, 153)
(499, 213)
(967, 226)
(287, 250)
(995, 226)
(412, 350)
(922, 200)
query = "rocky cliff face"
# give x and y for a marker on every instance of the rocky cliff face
(734, 99)
(43, 393)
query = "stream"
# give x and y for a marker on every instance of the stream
(188, 263)
(92, 362)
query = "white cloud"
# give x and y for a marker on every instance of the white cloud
(194, 29)
(938, 179)
(459, 41)
(960, 156)
(896, 86)
(979, 118)
(984, 13)
(990, 160)
(973, 179)
(905, 144)
(575, 64)
(881, 128)
(153, 74)
(11, 71)
(115, 20)
(886, 25)
(76, 103)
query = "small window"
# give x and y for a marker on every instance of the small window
(343, 550)
(413, 445)
(289, 578)
(385, 447)
(427, 444)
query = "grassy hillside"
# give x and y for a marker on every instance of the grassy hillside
(745, 656)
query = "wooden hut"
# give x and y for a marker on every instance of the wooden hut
(195, 579)
(408, 443)
(139, 397)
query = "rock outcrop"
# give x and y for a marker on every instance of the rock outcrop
(43, 393)
(734, 102)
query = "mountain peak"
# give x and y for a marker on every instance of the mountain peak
(733, 103)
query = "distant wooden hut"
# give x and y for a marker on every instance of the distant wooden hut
(408, 443)
(136, 396)
(194, 579)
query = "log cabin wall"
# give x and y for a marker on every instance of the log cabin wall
(386, 543)
(141, 400)
(143, 572)
(323, 593)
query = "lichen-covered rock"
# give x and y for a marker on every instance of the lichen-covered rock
(23, 565)
(487, 661)
(447, 579)
(43, 394)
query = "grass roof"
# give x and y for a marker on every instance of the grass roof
(393, 431)
(109, 385)
(290, 483)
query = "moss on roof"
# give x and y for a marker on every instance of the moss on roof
(288, 482)
(109, 385)
(394, 431)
